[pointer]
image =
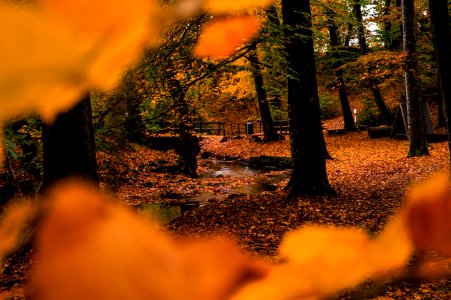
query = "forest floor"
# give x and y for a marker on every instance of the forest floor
(371, 178)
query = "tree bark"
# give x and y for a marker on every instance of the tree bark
(387, 37)
(440, 21)
(416, 124)
(380, 103)
(345, 108)
(269, 131)
(188, 146)
(357, 10)
(309, 176)
(69, 146)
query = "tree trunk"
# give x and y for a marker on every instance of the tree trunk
(345, 108)
(357, 10)
(387, 37)
(188, 146)
(309, 176)
(348, 35)
(416, 124)
(134, 125)
(380, 103)
(440, 20)
(269, 131)
(69, 146)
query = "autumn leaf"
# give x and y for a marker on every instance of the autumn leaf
(222, 6)
(321, 261)
(222, 37)
(57, 50)
(91, 248)
(427, 214)
(12, 222)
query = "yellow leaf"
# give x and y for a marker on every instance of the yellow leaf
(91, 248)
(222, 37)
(428, 214)
(54, 52)
(225, 6)
(321, 261)
(12, 221)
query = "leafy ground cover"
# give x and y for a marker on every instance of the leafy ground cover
(371, 177)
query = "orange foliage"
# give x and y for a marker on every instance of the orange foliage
(11, 224)
(428, 214)
(222, 37)
(223, 6)
(91, 248)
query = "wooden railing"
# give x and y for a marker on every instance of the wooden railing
(242, 128)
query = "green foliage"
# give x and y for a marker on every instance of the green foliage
(369, 116)
(23, 144)
(279, 113)
(329, 107)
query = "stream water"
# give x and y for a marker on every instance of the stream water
(166, 212)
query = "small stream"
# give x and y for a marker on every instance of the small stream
(166, 212)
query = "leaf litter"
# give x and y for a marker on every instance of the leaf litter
(371, 177)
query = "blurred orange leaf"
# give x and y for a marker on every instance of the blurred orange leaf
(223, 6)
(321, 261)
(55, 51)
(91, 248)
(222, 37)
(428, 214)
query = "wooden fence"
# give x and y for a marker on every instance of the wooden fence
(222, 128)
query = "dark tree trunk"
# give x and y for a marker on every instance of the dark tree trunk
(416, 124)
(387, 24)
(380, 103)
(348, 35)
(396, 41)
(309, 176)
(69, 146)
(357, 10)
(188, 146)
(134, 125)
(346, 109)
(269, 131)
(440, 21)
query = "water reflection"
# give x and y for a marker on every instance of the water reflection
(164, 212)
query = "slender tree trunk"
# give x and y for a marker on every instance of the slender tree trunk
(440, 21)
(380, 103)
(346, 109)
(442, 121)
(396, 41)
(348, 35)
(348, 119)
(134, 125)
(357, 10)
(416, 124)
(188, 146)
(387, 25)
(306, 137)
(69, 146)
(269, 131)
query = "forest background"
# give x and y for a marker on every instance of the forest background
(357, 47)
